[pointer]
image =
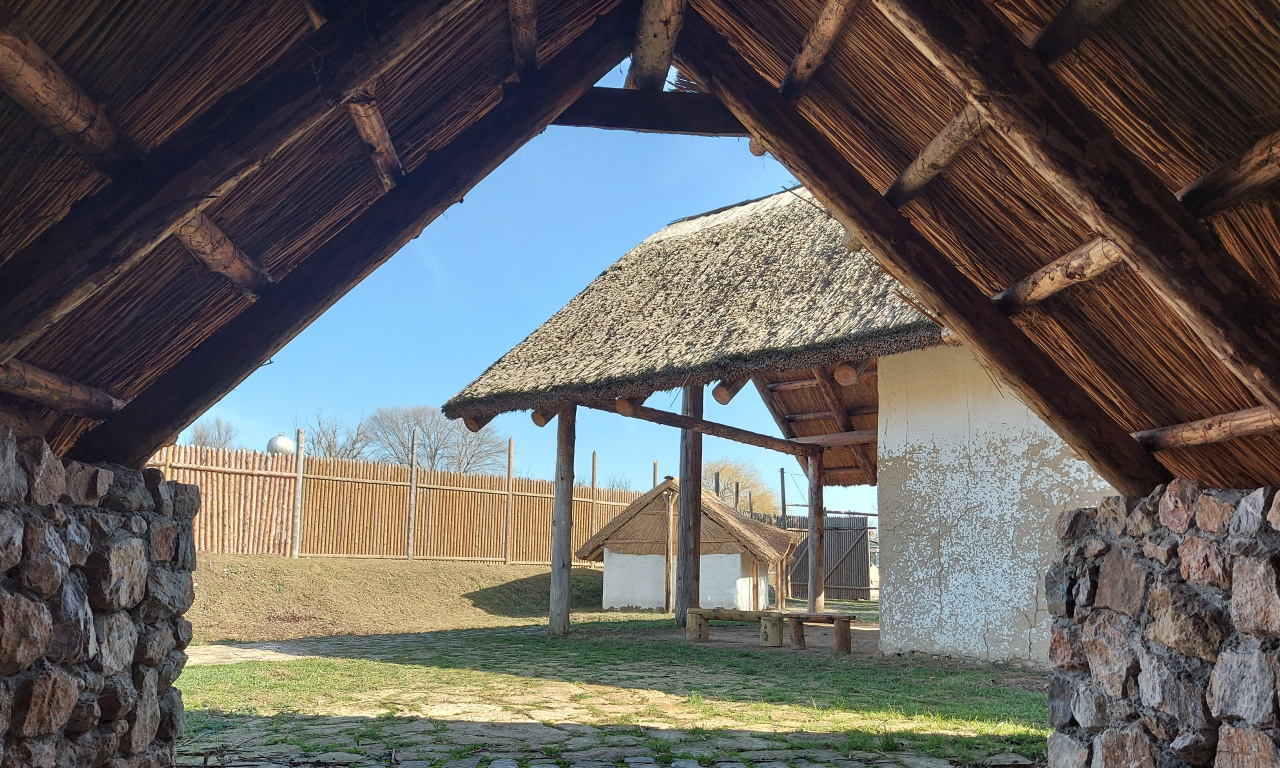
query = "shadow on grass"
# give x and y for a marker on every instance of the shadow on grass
(527, 598)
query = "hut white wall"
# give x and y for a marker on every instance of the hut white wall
(634, 581)
(725, 582)
(970, 482)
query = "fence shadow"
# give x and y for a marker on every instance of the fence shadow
(527, 598)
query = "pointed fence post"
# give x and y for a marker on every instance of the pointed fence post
(655, 474)
(817, 537)
(506, 524)
(562, 521)
(782, 483)
(689, 541)
(299, 461)
(413, 491)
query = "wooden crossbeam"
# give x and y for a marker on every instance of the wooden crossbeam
(523, 15)
(817, 44)
(703, 426)
(788, 386)
(861, 410)
(1068, 29)
(235, 350)
(660, 22)
(1084, 263)
(204, 160)
(1252, 421)
(840, 439)
(677, 112)
(917, 263)
(827, 388)
(373, 132)
(56, 392)
(1106, 185)
(215, 250)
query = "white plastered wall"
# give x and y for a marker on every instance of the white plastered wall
(970, 482)
(635, 581)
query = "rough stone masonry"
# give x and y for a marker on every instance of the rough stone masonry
(1166, 631)
(96, 563)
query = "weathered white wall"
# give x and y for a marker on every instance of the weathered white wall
(634, 581)
(725, 582)
(970, 482)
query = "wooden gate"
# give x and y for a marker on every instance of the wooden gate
(847, 558)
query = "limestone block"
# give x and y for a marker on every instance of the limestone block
(1244, 748)
(1255, 600)
(117, 572)
(169, 593)
(117, 641)
(1113, 513)
(43, 701)
(119, 696)
(1243, 686)
(164, 540)
(85, 714)
(154, 644)
(1164, 688)
(1057, 590)
(46, 479)
(171, 668)
(1248, 518)
(1182, 619)
(186, 500)
(44, 556)
(74, 640)
(79, 542)
(1067, 752)
(144, 720)
(1215, 508)
(172, 720)
(11, 527)
(182, 633)
(1196, 747)
(161, 490)
(1126, 747)
(1089, 707)
(1112, 660)
(1204, 562)
(31, 753)
(1177, 505)
(1122, 583)
(128, 491)
(85, 484)
(25, 631)
(1160, 546)
(13, 480)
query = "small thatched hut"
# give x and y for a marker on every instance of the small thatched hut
(638, 550)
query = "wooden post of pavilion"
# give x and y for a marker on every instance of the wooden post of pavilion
(562, 521)
(817, 536)
(689, 542)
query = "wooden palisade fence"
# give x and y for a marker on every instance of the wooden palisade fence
(362, 508)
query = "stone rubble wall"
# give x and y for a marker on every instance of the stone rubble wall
(1166, 636)
(96, 563)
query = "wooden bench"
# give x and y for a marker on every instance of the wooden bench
(698, 627)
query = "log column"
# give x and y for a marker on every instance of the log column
(689, 542)
(562, 521)
(817, 536)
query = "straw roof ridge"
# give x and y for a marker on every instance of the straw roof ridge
(761, 286)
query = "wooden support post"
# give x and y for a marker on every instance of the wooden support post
(299, 462)
(782, 488)
(779, 586)
(817, 537)
(660, 22)
(594, 466)
(844, 636)
(562, 521)
(737, 489)
(510, 507)
(669, 499)
(413, 490)
(715, 484)
(755, 585)
(689, 540)
(797, 633)
(56, 392)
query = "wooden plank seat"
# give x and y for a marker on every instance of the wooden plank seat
(698, 626)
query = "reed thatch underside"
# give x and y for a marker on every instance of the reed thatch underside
(1182, 86)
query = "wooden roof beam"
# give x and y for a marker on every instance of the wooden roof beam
(831, 395)
(703, 426)
(677, 112)
(817, 44)
(235, 350)
(373, 132)
(204, 160)
(849, 374)
(1076, 21)
(211, 246)
(523, 15)
(725, 391)
(1107, 186)
(1251, 421)
(843, 439)
(55, 392)
(660, 23)
(1084, 263)
(918, 264)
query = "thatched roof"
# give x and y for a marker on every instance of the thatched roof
(644, 526)
(761, 286)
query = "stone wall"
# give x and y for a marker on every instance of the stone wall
(1166, 630)
(96, 563)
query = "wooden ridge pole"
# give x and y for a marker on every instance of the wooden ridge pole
(562, 522)
(917, 263)
(689, 538)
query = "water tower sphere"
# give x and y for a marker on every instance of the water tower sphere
(280, 444)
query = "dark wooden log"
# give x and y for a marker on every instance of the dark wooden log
(702, 426)
(817, 44)
(848, 374)
(227, 357)
(725, 391)
(57, 392)
(1254, 170)
(840, 439)
(689, 515)
(562, 522)
(660, 22)
(677, 112)
(101, 236)
(373, 132)
(939, 153)
(524, 36)
(918, 264)
(1066, 30)
(1251, 421)
(817, 538)
(1062, 140)
(1084, 263)
(211, 246)
(787, 386)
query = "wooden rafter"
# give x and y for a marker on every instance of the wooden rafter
(373, 132)
(703, 426)
(1084, 263)
(840, 439)
(1228, 426)
(56, 392)
(678, 112)
(861, 410)
(918, 264)
(204, 160)
(830, 392)
(235, 350)
(215, 250)
(817, 44)
(779, 418)
(1107, 186)
(660, 22)
(1069, 28)
(523, 15)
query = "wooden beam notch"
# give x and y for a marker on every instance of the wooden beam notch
(660, 23)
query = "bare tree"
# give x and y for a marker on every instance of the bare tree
(328, 436)
(748, 478)
(483, 451)
(442, 444)
(215, 434)
(617, 482)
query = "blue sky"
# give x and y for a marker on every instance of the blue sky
(484, 275)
